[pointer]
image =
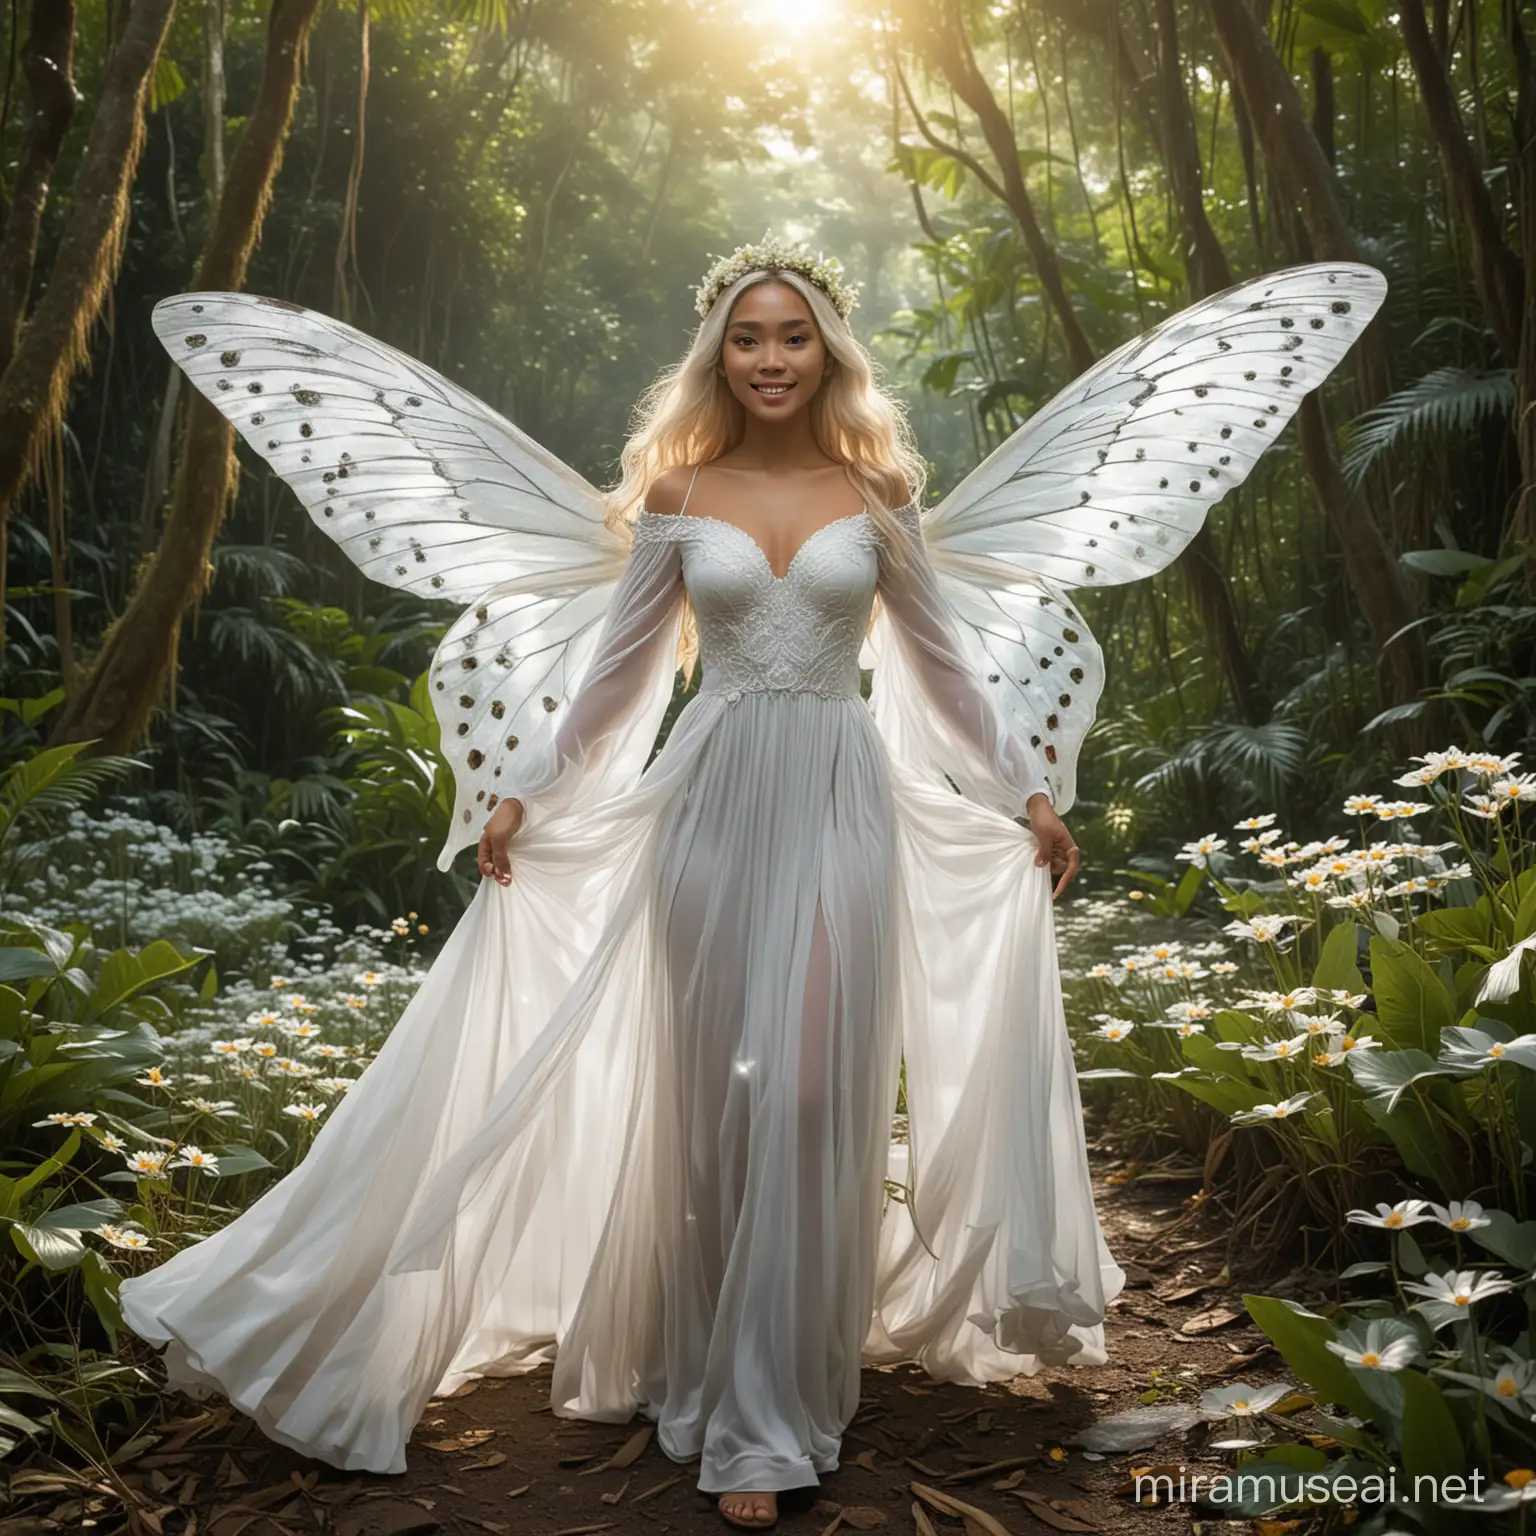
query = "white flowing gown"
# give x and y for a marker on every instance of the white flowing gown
(637, 1119)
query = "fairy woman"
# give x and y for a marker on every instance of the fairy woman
(638, 1118)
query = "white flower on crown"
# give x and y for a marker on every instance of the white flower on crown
(771, 254)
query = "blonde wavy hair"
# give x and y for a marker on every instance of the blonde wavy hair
(689, 416)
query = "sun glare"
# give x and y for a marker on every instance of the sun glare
(789, 16)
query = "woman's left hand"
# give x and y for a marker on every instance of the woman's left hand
(1056, 846)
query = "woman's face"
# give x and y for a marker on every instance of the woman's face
(774, 358)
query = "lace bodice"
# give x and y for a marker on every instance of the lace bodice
(758, 631)
(761, 634)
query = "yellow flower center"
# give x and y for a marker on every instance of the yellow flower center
(1519, 1477)
(1370, 1357)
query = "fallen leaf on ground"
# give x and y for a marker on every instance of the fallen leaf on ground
(493, 1459)
(1049, 1512)
(970, 1474)
(948, 1504)
(1211, 1319)
(655, 1488)
(863, 1517)
(633, 1448)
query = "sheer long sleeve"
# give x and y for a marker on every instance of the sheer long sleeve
(967, 737)
(596, 742)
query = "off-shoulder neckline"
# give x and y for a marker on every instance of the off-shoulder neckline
(805, 543)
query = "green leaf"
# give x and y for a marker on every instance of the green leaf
(1443, 562)
(84, 1216)
(9, 1416)
(235, 1158)
(1423, 1144)
(1432, 1444)
(1412, 1003)
(13, 1191)
(1388, 1075)
(52, 1249)
(1460, 927)
(101, 1283)
(25, 965)
(1508, 1239)
(30, 1386)
(1337, 965)
(1302, 1341)
(124, 975)
(1226, 1096)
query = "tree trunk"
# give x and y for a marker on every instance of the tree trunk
(114, 705)
(1209, 272)
(1297, 163)
(1521, 527)
(48, 62)
(1373, 572)
(35, 384)
(1322, 104)
(1496, 269)
(952, 53)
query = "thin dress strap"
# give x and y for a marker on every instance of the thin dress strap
(689, 491)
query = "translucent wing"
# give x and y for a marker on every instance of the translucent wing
(428, 489)
(1111, 479)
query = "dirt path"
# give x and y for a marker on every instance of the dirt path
(494, 1458)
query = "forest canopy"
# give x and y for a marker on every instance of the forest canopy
(523, 194)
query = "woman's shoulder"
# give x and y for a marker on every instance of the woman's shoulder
(665, 495)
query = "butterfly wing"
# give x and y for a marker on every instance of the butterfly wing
(1113, 477)
(427, 489)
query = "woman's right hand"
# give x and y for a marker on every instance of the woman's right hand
(500, 828)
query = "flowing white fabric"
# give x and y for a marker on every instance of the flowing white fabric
(637, 1118)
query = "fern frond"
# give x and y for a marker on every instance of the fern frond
(1445, 401)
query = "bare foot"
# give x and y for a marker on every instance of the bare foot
(750, 1509)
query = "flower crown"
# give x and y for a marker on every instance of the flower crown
(770, 255)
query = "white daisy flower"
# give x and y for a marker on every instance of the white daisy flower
(1361, 805)
(1238, 1400)
(189, 1156)
(224, 1108)
(1199, 851)
(1450, 1296)
(1115, 1029)
(1406, 1213)
(1281, 1111)
(1277, 1050)
(1460, 1215)
(123, 1237)
(1387, 1344)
